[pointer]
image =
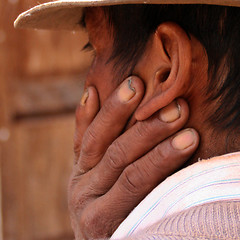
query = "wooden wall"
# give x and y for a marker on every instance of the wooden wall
(41, 81)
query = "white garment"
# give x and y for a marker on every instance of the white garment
(206, 181)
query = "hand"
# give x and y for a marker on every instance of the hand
(115, 170)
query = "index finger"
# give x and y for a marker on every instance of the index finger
(110, 121)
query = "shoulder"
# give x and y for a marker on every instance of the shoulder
(215, 220)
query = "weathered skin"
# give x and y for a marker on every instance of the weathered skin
(114, 172)
(120, 155)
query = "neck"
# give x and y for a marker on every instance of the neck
(214, 142)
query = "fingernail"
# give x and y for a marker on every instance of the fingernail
(126, 91)
(183, 140)
(170, 113)
(84, 97)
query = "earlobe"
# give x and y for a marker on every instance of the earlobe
(171, 77)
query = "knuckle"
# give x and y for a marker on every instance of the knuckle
(75, 200)
(94, 225)
(105, 116)
(78, 200)
(89, 142)
(143, 129)
(77, 143)
(162, 160)
(76, 150)
(158, 157)
(161, 152)
(116, 156)
(89, 222)
(78, 195)
(106, 113)
(132, 179)
(90, 152)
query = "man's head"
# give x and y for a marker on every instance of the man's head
(189, 51)
(133, 30)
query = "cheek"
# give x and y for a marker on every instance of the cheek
(100, 76)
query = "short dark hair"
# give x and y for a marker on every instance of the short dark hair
(216, 27)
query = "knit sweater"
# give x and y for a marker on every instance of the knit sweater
(201, 201)
(217, 220)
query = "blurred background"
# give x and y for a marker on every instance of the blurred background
(41, 80)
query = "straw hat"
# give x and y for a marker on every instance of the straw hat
(66, 14)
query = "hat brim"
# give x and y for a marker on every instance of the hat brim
(66, 14)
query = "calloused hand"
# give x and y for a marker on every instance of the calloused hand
(115, 170)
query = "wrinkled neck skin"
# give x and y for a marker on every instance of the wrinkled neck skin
(214, 142)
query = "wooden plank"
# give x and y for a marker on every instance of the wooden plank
(49, 95)
(36, 167)
(1, 213)
(31, 53)
(4, 106)
(40, 73)
(32, 62)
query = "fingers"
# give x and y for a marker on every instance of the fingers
(139, 178)
(110, 121)
(138, 141)
(129, 166)
(85, 113)
(136, 181)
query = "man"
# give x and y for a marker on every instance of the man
(128, 135)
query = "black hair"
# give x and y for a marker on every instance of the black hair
(216, 27)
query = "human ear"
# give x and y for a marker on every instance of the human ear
(171, 56)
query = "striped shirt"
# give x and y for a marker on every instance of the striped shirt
(206, 181)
